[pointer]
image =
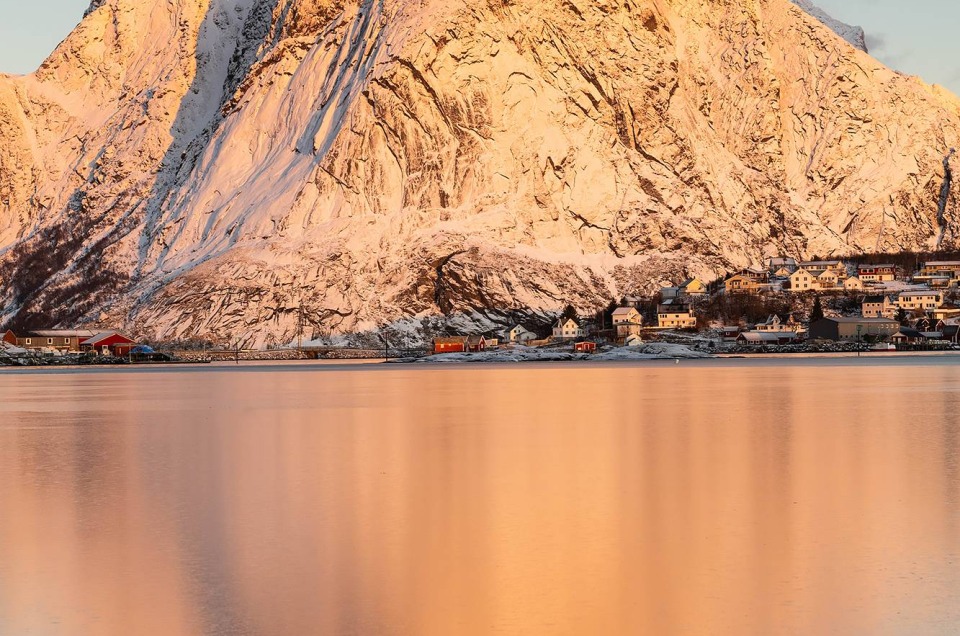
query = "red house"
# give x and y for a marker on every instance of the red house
(585, 347)
(476, 344)
(455, 344)
(109, 343)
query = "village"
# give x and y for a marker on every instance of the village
(784, 307)
(821, 305)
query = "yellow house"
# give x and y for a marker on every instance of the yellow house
(693, 287)
(740, 284)
(918, 300)
(674, 315)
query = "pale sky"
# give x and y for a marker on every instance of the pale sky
(914, 36)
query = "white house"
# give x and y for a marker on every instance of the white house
(853, 284)
(776, 324)
(883, 273)
(917, 300)
(828, 279)
(627, 321)
(521, 334)
(837, 267)
(802, 280)
(878, 307)
(567, 329)
(633, 341)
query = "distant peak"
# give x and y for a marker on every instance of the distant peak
(851, 33)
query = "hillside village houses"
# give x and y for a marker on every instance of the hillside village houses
(888, 297)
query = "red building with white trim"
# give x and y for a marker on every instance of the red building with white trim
(109, 343)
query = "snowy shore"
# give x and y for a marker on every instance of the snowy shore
(653, 351)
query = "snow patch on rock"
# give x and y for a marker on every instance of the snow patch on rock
(852, 34)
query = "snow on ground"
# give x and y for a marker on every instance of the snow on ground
(654, 351)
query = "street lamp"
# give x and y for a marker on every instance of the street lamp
(859, 331)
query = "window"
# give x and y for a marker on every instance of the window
(66, 341)
(29, 341)
(49, 341)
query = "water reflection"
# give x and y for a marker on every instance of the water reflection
(699, 499)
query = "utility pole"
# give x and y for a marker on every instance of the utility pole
(300, 331)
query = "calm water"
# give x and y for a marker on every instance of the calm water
(734, 497)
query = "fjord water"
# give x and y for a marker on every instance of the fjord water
(715, 497)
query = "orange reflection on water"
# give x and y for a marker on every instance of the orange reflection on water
(702, 498)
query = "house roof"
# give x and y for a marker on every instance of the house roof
(475, 340)
(874, 300)
(625, 311)
(823, 264)
(448, 340)
(862, 321)
(63, 333)
(563, 321)
(103, 337)
(909, 333)
(928, 292)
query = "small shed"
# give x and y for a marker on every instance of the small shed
(585, 347)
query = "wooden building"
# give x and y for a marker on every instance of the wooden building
(453, 344)
(585, 347)
(62, 340)
(109, 343)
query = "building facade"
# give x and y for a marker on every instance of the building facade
(853, 329)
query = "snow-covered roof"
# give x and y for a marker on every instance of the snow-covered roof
(913, 294)
(62, 333)
(101, 337)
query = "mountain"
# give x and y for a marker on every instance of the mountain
(235, 169)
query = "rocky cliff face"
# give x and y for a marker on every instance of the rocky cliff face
(236, 168)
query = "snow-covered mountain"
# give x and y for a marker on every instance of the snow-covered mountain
(852, 34)
(232, 168)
